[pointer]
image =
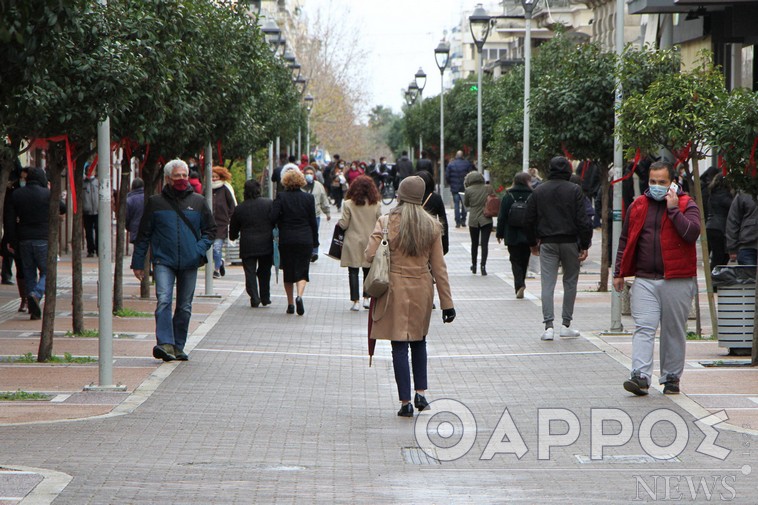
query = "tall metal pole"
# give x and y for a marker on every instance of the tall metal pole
(269, 182)
(104, 270)
(442, 133)
(299, 146)
(616, 325)
(209, 200)
(479, 166)
(249, 167)
(308, 135)
(527, 86)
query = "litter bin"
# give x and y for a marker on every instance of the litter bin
(232, 253)
(735, 286)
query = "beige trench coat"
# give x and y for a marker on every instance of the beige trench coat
(410, 297)
(358, 222)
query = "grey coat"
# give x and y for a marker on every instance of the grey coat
(475, 198)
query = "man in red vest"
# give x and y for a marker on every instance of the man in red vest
(657, 247)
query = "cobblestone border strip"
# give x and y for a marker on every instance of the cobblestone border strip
(53, 483)
(682, 400)
(150, 385)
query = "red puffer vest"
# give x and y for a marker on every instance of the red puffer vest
(679, 257)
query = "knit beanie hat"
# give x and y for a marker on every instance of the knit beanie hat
(411, 190)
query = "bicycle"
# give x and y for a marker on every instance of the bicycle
(388, 193)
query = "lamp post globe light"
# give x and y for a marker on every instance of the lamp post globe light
(300, 84)
(282, 49)
(442, 57)
(296, 68)
(529, 6)
(480, 23)
(308, 108)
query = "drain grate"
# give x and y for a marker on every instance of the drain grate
(419, 456)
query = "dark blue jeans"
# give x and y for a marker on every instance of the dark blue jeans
(460, 210)
(402, 371)
(747, 256)
(34, 254)
(168, 329)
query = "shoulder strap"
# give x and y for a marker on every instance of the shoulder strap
(183, 217)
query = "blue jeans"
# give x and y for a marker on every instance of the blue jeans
(460, 210)
(34, 254)
(402, 370)
(218, 247)
(168, 329)
(747, 256)
(318, 227)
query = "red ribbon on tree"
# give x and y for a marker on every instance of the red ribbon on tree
(751, 163)
(722, 165)
(566, 152)
(144, 160)
(637, 158)
(220, 154)
(585, 166)
(683, 154)
(69, 163)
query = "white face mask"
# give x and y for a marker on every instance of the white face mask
(658, 192)
(309, 178)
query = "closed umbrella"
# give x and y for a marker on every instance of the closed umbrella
(276, 254)
(371, 341)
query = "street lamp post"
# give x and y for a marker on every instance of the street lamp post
(308, 108)
(442, 57)
(273, 34)
(420, 80)
(410, 99)
(529, 6)
(480, 23)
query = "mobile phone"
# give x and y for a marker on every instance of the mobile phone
(675, 187)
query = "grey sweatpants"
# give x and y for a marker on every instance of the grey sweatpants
(552, 255)
(664, 302)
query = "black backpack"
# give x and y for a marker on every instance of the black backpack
(517, 213)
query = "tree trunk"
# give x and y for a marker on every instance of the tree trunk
(704, 248)
(118, 273)
(606, 223)
(77, 284)
(150, 177)
(45, 351)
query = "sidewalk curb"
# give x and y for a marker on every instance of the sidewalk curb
(53, 483)
(154, 380)
(682, 400)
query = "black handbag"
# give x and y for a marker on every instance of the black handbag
(338, 238)
(203, 257)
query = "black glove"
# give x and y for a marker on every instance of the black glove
(448, 315)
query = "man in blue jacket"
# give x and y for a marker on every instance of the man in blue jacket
(455, 174)
(178, 243)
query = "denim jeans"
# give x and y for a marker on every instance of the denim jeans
(460, 210)
(403, 371)
(168, 329)
(747, 256)
(34, 254)
(218, 248)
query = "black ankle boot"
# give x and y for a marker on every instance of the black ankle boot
(484, 270)
(406, 410)
(421, 403)
(473, 269)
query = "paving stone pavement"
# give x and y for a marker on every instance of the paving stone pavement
(276, 408)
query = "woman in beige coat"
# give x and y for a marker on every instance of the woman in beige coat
(403, 313)
(475, 199)
(360, 211)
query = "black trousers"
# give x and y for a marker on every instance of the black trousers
(352, 273)
(519, 255)
(258, 277)
(717, 247)
(402, 371)
(90, 233)
(484, 232)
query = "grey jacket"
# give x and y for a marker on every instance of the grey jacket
(742, 223)
(90, 199)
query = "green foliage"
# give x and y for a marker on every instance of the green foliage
(675, 110)
(85, 334)
(127, 312)
(734, 129)
(67, 358)
(21, 396)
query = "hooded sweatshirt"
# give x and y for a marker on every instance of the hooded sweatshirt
(555, 212)
(29, 208)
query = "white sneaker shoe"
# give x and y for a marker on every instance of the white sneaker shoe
(367, 303)
(356, 307)
(567, 332)
(548, 335)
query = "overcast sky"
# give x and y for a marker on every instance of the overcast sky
(399, 36)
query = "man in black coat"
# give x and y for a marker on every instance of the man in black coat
(559, 232)
(29, 210)
(403, 168)
(425, 164)
(454, 176)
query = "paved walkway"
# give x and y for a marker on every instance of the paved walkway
(276, 408)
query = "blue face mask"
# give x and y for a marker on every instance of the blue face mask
(658, 192)
(309, 178)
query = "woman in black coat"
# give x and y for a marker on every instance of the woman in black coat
(294, 212)
(719, 202)
(508, 229)
(434, 205)
(251, 223)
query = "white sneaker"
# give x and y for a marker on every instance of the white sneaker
(520, 292)
(356, 307)
(548, 335)
(567, 332)
(367, 303)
